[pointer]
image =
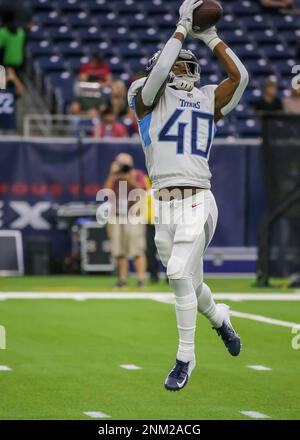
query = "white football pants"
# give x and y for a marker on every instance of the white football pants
(184, 229)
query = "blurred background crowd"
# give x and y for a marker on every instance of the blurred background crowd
(81, 63)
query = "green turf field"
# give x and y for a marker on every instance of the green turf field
(65, 356)
(105, 283)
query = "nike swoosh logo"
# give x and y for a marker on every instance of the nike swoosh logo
(196, 204)
(181, 383)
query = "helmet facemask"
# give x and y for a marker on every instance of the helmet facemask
(185, 81)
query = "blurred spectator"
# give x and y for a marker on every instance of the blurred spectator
(270, 100)
(130, 122)
(97, 69)
(90, 99)
(128, 240)
(109, 127)
(8, 100)
(291, 104)
(138, 74)
(295, 281)
(118, 98)
(20, 12)
(152, 262)
(12, 41)
(87, 106)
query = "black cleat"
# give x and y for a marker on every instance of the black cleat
(120, 284)
(230, 338)
(179, 376)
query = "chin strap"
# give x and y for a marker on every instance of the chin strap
(181, 83)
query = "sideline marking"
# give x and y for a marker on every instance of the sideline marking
(130, 367)
(80, 298)
(241, 296)
(5, 368)
(97, 415)
(252, 317)
(259, 367)
(169, 299)
(156, 296)
(255, 415)
(264, 319)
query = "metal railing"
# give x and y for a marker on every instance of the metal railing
(45, 127)
(59, 126)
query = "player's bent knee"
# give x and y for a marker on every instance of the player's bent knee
(199, 288)
(175, 268)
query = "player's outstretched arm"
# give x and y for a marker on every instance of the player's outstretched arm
(156, 82)
(230, 91)
(228, 94)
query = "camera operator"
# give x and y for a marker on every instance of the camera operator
(128, 240)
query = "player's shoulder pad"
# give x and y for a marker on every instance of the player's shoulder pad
(208, 90)
(133, 90)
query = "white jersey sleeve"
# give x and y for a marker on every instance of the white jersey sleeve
(161, 71)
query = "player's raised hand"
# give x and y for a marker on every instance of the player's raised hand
(206, 36)
(186, 13)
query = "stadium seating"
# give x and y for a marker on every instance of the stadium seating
(127, 32)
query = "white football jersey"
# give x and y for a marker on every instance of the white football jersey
(177, 137)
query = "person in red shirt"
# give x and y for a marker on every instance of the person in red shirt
(109, 127)
(130, 122)
(96, 69)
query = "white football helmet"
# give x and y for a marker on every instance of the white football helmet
(185, 81)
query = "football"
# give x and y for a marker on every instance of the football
(207, 15)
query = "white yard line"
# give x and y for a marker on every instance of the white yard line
(259, 367)
(264, 319)
(5, 368)
(250, 316)
(157, 296)
(255, 415)
(130, 367)
(97, 415)
(238, 297)
(258, 296)
(169, 299)
(80, 296)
